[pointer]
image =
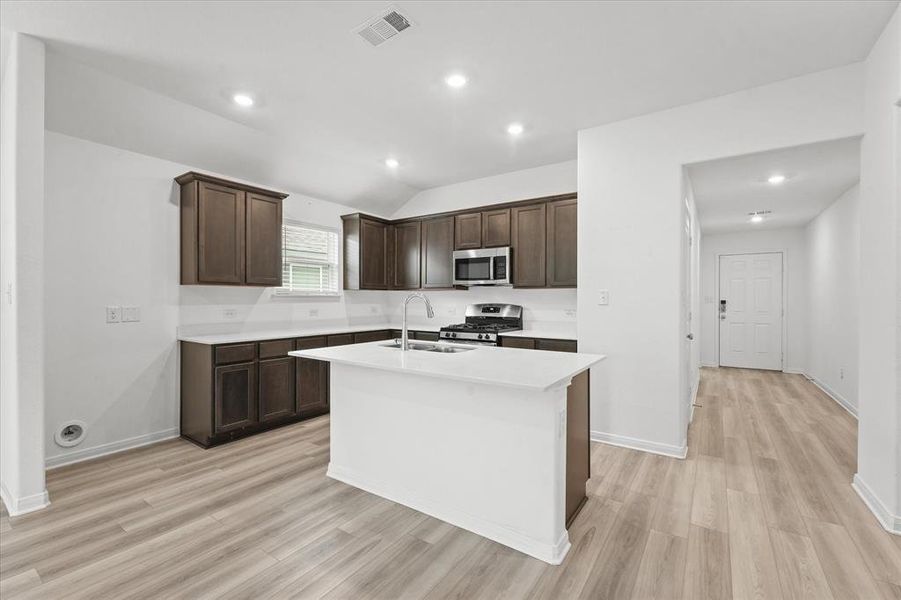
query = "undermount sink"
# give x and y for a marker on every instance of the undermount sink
(430, 347)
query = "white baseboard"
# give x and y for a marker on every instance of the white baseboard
(550, 553)
(60, 460)
(638, 444)
(889, 522)
(710, 365)
(794, 371)
(834, 395)
(25, 504)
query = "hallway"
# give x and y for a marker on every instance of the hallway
(771, 512)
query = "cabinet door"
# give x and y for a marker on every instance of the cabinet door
(438, 252)
(340, 339)
(235, 396)
(562, 261)
(276, 389)
(264, 240)
(528, 231)
(405, 255)
(220, 235)
(468, 231)
(496, 228)
(373, 255)
(312, 380)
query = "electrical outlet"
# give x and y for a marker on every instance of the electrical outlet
(230, 313)
(131, 314)
(570, 312)
(604, 297)
(314, 312)
(841, 373)
(113, 314)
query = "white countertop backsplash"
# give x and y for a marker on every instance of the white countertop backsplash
(228, 333)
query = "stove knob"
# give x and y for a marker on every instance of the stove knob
(480, 336)
(453, 335)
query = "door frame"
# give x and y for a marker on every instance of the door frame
(716, 304)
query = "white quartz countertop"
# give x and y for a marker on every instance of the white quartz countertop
(294, 332)
(509, 367)
(549, 332)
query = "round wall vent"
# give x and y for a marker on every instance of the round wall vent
(71, 433)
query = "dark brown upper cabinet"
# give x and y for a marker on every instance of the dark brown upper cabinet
(264, 224)
(528, 233)
(230, 232)
(562, 250)
(365, 253)
(496, 228)
(468, 231)
(404, 255)
(438, 252)
(417, 252)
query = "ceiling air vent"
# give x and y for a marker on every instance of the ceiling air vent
(382, 28)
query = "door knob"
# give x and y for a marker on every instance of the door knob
(690, 336)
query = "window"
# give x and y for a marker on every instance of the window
(310, 260)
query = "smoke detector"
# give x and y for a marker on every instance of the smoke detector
(384, 26)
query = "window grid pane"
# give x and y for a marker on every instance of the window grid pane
(310, 260)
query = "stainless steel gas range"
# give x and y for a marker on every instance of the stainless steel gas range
(483, 324)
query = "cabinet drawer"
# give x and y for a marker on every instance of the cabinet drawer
(557, 345)
(518, 342)
(341, 339)
(371, 336)
(426, 336)
(235, 353)
(308, 343)
(276, 348)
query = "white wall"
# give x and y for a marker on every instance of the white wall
(833, 247)
(792, 243)
(549, 180)
(112, 239)
(629, 233)
(879, 434)
(21, 277)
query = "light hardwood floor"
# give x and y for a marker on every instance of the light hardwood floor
(761, 508)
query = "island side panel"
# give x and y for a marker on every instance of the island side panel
(486, 458)
(578, 445)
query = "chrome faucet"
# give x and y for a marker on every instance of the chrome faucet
(404, 335)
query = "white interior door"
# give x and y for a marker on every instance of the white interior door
(751, 311)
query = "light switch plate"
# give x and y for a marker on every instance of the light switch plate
(131, 314)
(230, 313)
(113, 314)
(604, 297)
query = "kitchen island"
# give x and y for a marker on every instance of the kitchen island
(490, 439)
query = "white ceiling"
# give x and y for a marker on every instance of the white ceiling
(331, 107)
(727, 190)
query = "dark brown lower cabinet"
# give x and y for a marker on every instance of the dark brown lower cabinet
(553, 345)
(312, 396)
(371, 336)
(235, 397)
(578, 445)
(276, 389)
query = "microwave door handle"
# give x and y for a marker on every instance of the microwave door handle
(491, 268)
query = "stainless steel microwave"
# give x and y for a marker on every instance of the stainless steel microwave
(486, 266)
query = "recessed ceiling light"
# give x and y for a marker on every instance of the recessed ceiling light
(391, 163)
(243, 100)
(757, 219)
(456, 80)
(515, 128)
(776, 179)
